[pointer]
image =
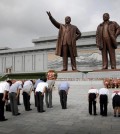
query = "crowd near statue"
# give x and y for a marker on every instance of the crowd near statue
(10, 89)
(106, 35)
(66, 43)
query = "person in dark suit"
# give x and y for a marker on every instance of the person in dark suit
(66, 43)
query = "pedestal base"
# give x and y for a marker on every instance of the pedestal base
(95, 74)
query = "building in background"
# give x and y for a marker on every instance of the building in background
(42, 56)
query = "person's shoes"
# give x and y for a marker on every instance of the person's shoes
(42, 111)
(104, 115)
(17, 114)
(95, 114)
(19, 104)
(50, 106)
(101, 114)
(119, 115)
(64, 108)
(47, 106)
(4, 120)
(90, 113)
(28, 110)
(114, 115)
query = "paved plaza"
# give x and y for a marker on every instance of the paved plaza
(74, 120)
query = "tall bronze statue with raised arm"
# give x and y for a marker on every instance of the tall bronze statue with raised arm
(66, 43)
(106, 35)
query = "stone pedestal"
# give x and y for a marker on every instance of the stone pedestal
(88, 75)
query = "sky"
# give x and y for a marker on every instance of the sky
(21, 21)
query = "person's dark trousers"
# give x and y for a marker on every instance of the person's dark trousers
(63, 99)
(48, 98)
(35, 98)
(39, 98)
(26, 100)
(92, 103)
(18, 100)
(103, 104)
(2, 104)
(13, 103)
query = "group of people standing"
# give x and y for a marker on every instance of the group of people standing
(10, 90)
(45, 86)
(103, 94)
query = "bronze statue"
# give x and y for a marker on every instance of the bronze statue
(66, 43)
(106, 35)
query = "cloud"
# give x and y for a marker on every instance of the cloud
(24, 20)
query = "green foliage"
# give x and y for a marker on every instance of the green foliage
(23, 76)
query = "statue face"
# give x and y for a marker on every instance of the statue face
(67, 20)
(106, 17)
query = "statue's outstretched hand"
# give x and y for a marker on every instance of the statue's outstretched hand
(49, 14)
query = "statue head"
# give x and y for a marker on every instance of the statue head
(67, 20)
(106, 16)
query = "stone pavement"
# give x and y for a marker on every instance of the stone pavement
(74, 120)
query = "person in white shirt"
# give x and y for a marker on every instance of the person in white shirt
(103, 98)
(4, 87)
(26, 91)
(40, 90)
(13, 96)
(35, 85)
(92, 96)
(116, 103)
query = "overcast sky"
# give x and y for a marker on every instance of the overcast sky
(24, 20)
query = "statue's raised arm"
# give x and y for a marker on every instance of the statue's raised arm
(48, 13)
(54, 22)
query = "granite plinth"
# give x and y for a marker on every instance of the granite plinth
(95, 74)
